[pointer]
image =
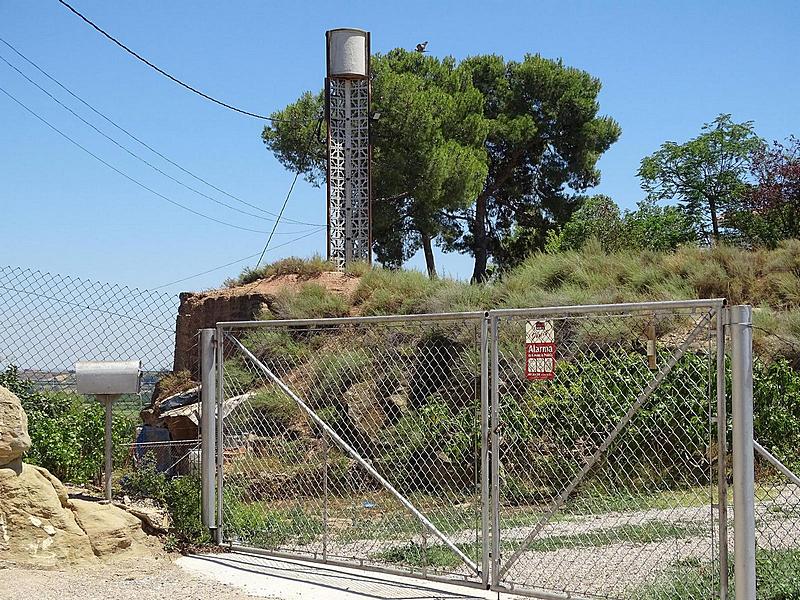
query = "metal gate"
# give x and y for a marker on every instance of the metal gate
(359, 441)
(605, 443)
(569, 452)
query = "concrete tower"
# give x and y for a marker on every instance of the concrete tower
(347, 99)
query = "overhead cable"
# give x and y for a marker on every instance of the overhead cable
(164, 73)
(125, 175)
(146, 145)
(234, 262)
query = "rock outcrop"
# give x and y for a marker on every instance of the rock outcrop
(36, 524)
(14, 439)
(39, 524)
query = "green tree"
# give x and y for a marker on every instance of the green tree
(708, 174)
(649, 227)
(429, 156)
(599, 217)
(544, 142)
(658, 228)
(483, 157)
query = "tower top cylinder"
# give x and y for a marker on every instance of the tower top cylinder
(348, 53)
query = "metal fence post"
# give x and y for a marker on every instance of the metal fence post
(722, 454)
(494, 427)
(208, 409)
(220, 430)
(108, 402)
(744, 557)
(484, 450)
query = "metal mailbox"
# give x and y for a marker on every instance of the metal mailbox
(106, 378)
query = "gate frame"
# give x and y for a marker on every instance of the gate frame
(716, 308)
(480, 578)
(739, 321)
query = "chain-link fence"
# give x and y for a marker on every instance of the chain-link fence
(366, 442)
(609, 475)
(776, 416)
(379, 463)
(606, 480)
(51, 321)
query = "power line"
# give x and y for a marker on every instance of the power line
(288, 195)
(272, 233)
(235, 261)
(125, 175)
(153, 150)
(167, 75)
(136, 156)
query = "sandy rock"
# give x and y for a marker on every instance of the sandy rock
(36, 526)
(40, 526)
(14, 439)
(110, 529)
(365, 412)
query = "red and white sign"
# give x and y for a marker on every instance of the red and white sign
(540, 350)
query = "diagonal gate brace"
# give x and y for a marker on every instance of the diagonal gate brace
(356, 456)
(623, 422)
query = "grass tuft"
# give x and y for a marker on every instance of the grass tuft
(310, 301)
(305, 268)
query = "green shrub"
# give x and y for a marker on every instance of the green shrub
(658, 228)
(776, 410)
(183, 500)
(238, 376)
(334, 372)
(550, 431)
(598, 218)
(310, 301)
(181, 496)
(145, 481)
(649, 227)
(278, 347)
(67, 431)
(383, 292)
(433, 434)
(271, 411)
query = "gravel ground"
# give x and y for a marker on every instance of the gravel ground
(607, 569)
(143, 579)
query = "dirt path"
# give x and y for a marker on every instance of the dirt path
(143, 579)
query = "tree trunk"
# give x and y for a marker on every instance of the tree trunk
(712, 208)
(480, 241)
(427, 247)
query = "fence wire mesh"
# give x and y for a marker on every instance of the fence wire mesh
(776, 416)
(404, 396)
(50, 321)
(583, 513)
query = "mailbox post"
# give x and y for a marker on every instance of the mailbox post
(107, 381)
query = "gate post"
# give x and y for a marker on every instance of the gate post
(485, 446)
(208, 434)
(741, 331)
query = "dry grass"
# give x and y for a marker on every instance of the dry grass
(305, 268)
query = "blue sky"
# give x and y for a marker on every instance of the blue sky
(666, 68)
